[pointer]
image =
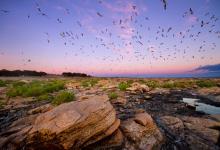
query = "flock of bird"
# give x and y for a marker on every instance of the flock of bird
(138, 46)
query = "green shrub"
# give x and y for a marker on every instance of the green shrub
(63, 97)
(54, 86)
(112, 95)
(123, 86)
(2, 83)
(205, 83)
(152, 83)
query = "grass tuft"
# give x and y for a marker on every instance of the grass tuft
(112, 95)
(63, 97)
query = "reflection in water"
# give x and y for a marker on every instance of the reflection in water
(206, 108)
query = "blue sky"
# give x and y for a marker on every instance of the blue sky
(109, 37)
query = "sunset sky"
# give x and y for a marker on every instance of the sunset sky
(110, 37)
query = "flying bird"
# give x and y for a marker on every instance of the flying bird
(4, 11)
(191, 11)
(164, 4)
(100, 15)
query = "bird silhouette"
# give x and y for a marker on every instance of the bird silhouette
(164, 4)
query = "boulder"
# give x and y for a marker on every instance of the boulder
(139, 137)
(69, 126)
(138, 87)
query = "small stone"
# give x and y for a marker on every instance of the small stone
(140, 110)
(147, 96)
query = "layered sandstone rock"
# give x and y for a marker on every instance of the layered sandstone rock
(70, 125)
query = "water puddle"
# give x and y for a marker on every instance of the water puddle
(206, 108)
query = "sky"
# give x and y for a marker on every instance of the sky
(110, 37)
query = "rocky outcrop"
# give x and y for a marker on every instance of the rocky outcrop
(213, 94)
(69, 126)
(141, 133)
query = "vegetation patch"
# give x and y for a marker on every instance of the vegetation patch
(34, 88)
(112, 95)
(63, 97)
(89, 82)
(152, 83)
(168, 84)
(123, 86)
(205, 83)
(2, 83)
